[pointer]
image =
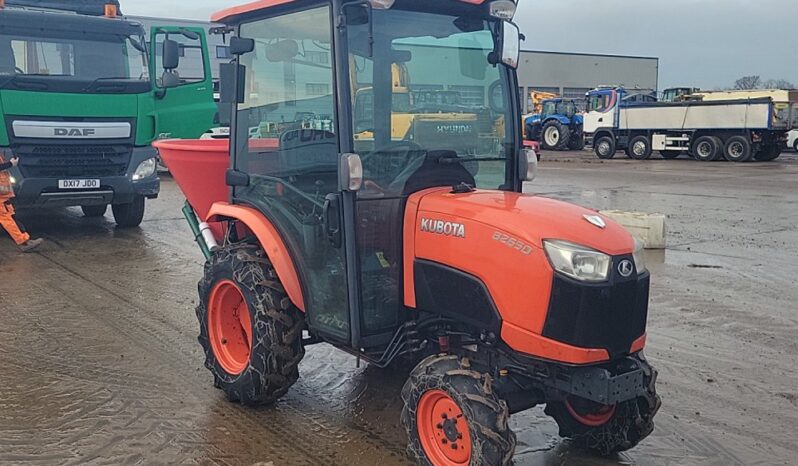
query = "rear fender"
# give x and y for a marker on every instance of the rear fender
(271, 242)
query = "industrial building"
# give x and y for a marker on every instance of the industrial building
(570, 75)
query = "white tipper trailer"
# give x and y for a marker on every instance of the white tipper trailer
(737, 130)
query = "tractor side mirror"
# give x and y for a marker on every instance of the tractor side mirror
(350, 172)
(231, 83)
(240, 45)
(527, 164)
(511, 45)
(171, 54)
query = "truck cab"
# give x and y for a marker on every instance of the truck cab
(84, 94)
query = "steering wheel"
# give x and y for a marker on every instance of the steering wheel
(408, 168)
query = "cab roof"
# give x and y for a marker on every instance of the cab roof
(232, 14)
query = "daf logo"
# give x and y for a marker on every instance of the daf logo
(625, 268)
(74, 132)
(596, 220)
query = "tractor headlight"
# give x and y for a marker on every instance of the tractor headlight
(640, 257)
(145, 169)
(578, 262)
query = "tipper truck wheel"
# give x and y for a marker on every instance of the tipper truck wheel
(453, 417)
(607, 429)
(249, 330)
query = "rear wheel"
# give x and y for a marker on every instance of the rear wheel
(555, 135)
(94, 210)
(577, 142)
(640, 148)
(737, 149)
(453, 417)
(605, 147)
(131, 214)
(249, 330)
(768, 153)
(707, 148)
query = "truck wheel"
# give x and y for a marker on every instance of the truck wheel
(640, 148)
(707, 148)
(607, 429)
(94, 210)
(453, 417)
(605, 147)
(768, 153)
(738, 149)
(249, 330)
(129, 215)
(670, 154)
(555, 135)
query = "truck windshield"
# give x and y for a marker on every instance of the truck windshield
(60, 63)
(459, 107)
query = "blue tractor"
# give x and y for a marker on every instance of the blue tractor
(557, 127)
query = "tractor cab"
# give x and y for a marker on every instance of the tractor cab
(360, 80)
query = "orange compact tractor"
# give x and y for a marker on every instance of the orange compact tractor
(350, 210)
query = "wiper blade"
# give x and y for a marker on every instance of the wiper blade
(471, 159)
(108, 78)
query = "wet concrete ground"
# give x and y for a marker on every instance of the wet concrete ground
(99, 361)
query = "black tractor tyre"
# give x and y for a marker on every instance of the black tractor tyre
(738, 149)
(670, 154)
(707, 149)
(491, 439)
(276, 326)
(94, 210)
(640, 148)
(531, 133)
(631, 422)
(605, 147)
(562, 139)
(577, 141)
(129, 215)
(768, 153)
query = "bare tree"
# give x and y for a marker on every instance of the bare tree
(748, 82)
(778, 84)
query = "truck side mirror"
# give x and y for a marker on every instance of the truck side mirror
(170, 54)
(231, 84)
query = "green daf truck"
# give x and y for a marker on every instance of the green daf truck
(84, 92)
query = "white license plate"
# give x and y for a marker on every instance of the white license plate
(78, 184)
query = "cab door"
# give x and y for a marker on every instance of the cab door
(286, 152)
(184, 107)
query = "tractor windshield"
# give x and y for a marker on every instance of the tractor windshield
(455, 104)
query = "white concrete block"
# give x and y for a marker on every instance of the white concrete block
(648, 228)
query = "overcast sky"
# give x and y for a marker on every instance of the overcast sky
(700, 43)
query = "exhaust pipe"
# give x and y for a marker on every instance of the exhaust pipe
(201, 231)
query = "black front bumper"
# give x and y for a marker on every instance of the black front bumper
(40, 188)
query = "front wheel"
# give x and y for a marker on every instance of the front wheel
(608, 429)
(640, 148)
(249, 330)
(131, 214)
(453, 416)
(605, 147)
(556, 136)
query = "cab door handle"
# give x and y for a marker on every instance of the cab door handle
(331, 216)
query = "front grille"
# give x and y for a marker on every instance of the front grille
(609, 316)
(60, 161)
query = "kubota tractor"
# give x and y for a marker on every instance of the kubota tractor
(407, 249)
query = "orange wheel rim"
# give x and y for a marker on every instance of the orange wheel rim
(229, 327)
(596, 418)
(443, 429)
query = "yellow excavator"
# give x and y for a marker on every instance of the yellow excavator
(425, 117)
